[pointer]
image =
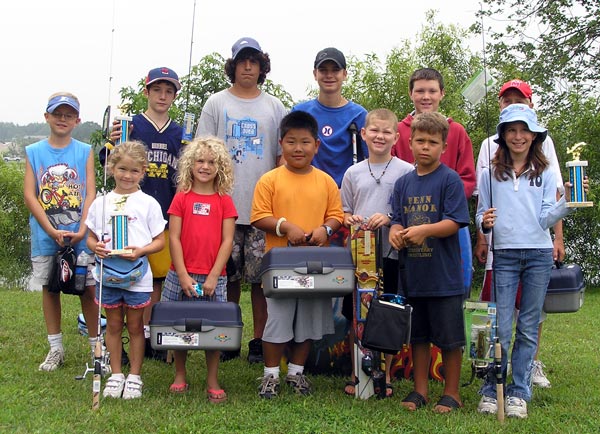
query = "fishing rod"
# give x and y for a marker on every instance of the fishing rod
(497, 345)
(101, 355)
(188, 117)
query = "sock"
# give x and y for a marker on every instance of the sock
(295, 369)
(274, 371)
(56, 342)
(119, 376)
(92, 342)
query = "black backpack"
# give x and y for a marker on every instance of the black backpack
(62, 278)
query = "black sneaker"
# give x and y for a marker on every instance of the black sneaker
(124, 358)
(229, 355)
(124, 355)
(255, 352)
(151, 353)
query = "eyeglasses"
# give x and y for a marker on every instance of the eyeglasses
(65, 116)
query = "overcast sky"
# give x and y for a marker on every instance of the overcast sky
(53, 45)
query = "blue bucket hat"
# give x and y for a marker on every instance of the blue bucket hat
(520, 113)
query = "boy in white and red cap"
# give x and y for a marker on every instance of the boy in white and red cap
(162, 137)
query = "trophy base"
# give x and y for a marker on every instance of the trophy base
(117, 252)
(579, 204)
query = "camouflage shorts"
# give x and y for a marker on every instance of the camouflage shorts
(246, 257)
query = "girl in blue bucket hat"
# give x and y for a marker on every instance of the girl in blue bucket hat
(523, 189)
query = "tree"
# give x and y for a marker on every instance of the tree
(373, 83)
(582, 231)
(555, 43)
(555, 46)
(206, 78)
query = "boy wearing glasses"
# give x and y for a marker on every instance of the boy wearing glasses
(59, 188)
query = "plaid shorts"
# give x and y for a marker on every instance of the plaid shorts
(172, 290)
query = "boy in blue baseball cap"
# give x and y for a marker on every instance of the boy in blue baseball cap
(59, 188)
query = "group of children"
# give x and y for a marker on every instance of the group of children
(229, 197)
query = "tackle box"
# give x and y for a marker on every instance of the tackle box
(306, 272)
(196, 325)
(565, 290)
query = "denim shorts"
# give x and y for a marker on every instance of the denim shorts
(113, 298)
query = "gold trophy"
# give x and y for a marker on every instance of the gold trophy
(576, 175)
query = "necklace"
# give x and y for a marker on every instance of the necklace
(378, 180)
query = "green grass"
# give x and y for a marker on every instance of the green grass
(32, 401)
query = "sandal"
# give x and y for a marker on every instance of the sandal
(350, 387)
(448, 402)
(216, 396)
(179, 388)
(389, 390)
(415, 398)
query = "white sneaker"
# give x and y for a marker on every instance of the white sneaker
(114, 386)
(54, 359)
(487, 405)
(133, 388)
(538, 378)
(515, 407)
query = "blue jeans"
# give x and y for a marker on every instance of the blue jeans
(532, 267)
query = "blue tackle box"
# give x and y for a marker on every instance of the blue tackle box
(565, 290)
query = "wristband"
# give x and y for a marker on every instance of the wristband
(278, 226)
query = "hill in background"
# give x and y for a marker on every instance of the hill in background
(19, 136)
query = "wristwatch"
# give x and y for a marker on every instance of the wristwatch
(328, 230)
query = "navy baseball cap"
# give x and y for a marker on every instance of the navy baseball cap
(332, 54)
(58, 100)
(242, 44)
(163, 74)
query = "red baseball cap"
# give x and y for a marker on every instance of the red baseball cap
(519, 85)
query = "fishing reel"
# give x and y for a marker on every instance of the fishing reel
(104, 361)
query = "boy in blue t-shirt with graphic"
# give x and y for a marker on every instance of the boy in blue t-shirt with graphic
(59, 187)
(429, 207)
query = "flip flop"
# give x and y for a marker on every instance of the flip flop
(216, 396)
(351, 384)
(179, 388)
(415, 398)
(448, 402)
